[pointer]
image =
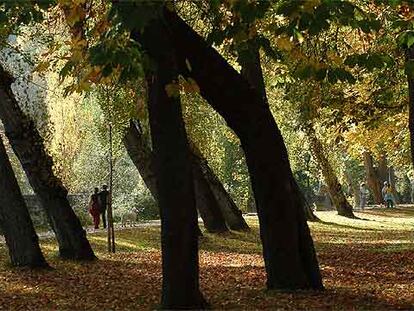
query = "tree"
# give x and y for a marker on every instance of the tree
(175, 188)
(28, 146)
(21, 238)
(143, 159)
(287, 246)
(334, 187)
(210, 193)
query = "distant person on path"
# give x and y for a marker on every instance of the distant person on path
(362, 195)
(94, 208)
(387, 195)
(103, 203)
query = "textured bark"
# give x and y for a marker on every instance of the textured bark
(17, 227)
(409, 56)
(383, 173)
(206, 203)
(232, 214)
(288, 250)
(37, 164)
(372, 178)
(249, 60)
(179, 240)
(334, 187)
(141, 154)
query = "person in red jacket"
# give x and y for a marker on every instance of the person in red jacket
(94, 209)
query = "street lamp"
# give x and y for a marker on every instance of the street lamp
(307, 157)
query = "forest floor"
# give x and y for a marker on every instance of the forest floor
(366, 264)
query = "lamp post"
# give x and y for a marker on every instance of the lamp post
(111, 231)
(307, 158)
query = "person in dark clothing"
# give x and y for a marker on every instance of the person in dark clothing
(94, 208)
(103, 203)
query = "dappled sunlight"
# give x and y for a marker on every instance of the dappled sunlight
(363, 265)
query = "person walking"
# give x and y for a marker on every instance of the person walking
(363, 192)
(103, 203)
(387, 195)
(94, 208)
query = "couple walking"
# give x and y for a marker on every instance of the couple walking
(98, 205)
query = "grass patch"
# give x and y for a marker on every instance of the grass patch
(366, 264)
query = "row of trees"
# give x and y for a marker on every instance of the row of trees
(115, 46)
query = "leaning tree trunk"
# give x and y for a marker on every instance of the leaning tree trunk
(334, 187)
(37, 164)
(179, 240)
(17, 227)
(143, 157)
(288, 249)
(251, 70)
(409, 56)
(372, 178)
(232, 214)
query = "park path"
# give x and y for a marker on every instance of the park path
(90, 230)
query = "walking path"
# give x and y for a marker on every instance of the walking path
(90, 230)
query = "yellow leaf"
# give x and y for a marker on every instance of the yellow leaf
(284, 43)
(310, 5)
(42, 66)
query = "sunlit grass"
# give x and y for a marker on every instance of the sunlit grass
(367, 257)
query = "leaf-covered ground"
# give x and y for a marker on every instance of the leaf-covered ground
(366, 264)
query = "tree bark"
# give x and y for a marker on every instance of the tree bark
(288, 249)
(251, 70)
(409, 56)
(37, 164)
(372, 178)
(141, 155)
(382, 169)
(17, 227)
(179, 240)
(334, 187)
(232, 214)
(206, 202)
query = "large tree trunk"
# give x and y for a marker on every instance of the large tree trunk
(251, 70)
(17, 227)
(383, 174)
(37, 164)
(288, 250)
(372, 178)
(409, 56)
(175, 188)
(334, 187)
(141, 155)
